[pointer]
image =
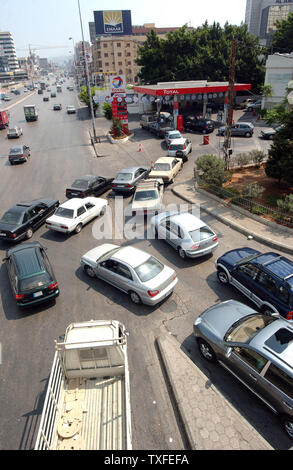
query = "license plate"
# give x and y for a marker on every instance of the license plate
(38, 294)
(2, 234)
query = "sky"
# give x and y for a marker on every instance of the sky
(47, 24)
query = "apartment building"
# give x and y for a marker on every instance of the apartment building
(7, 50)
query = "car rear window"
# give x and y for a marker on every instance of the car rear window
(149, 269)
(15, 151)
(37, 281)
(174, 136)
(145, 195)
(201, 234)
(12, 218)
(64, 212)
(124, 177)
(81, 184)
(161, 167)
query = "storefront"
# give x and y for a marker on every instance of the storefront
(200, 97)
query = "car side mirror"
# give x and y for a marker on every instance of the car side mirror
(5, 259)
(228, 352)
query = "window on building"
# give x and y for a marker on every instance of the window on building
(118, 44)
(119, 54)
(106, 54)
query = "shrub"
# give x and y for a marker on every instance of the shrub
(116, 129)
(107, 111)
(243, 159)
(257, 210)
(252, 191)
(212, 168)
(286, 204)
(257, 156)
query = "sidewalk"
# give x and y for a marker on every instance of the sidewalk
(210, 421)
(275, 236)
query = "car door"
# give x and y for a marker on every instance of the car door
(174, 234)
(176, 166)
(11, 274)
(92, 211)
(82, 215)
(264, 289)
(235, 129)
(34, 219)
(164, 230)
(246, 364)
(276, 387)
(243, 277)
(98, 186)
(106, 270)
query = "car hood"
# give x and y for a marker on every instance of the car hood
(221, 317)
(268, 131)
(231, 257)
(93, 255)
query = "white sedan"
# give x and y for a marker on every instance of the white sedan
(72, 215)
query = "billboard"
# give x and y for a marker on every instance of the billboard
(117, 84)
(113, 22)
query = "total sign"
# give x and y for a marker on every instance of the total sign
(117, 84)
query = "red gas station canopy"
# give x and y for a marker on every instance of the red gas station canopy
(187, 88)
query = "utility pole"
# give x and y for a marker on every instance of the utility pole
(227, 140)
(32, 65)
(87, 77)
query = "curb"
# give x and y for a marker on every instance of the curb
(235, 226)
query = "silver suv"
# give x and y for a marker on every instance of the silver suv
(180, 148)
(256, 348)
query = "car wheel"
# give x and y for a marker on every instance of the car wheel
(271, 137)
(29, 233)
(266, 310)
(204, 131)
(248, 134)
(103, 210)
(89, 271)
(222, 276)
(181, 253)
(78, 228)
(206, 350)
(287, 423)
(11, 163)
(134, 297)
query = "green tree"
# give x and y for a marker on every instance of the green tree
(84, 96)
(107, 111)
(280, 161)
(212, 168)
(202, 53)
(283, 36)
(286, 204)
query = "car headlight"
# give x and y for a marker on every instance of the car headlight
(197, 321)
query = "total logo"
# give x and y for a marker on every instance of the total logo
(117, 82)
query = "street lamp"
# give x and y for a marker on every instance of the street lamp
(87, 77)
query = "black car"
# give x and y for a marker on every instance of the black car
(57, 107)
(31, 276)
(53, 95)
(24, 218)
(89, 185)
(205, 126)
(46, 98)
(19, 154)
(40, 92)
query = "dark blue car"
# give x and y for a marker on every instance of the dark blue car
(265, 278)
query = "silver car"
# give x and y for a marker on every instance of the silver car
(14, 132)
(171, 135)
(180, 148)
(255, 348)
(140, 275)
(190, 236)
(242, 129)
(126, 180)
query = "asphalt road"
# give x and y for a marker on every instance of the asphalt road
(60, 152)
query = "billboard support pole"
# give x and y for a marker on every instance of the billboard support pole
(87, 77)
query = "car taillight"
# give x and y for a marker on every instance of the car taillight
(22, 155)
(289, 315)
(64, 227)
(194, 247)
(53, 286)
(169, 148)
(20, 296)
(207, 127)
(129, 186)
(184, 147)
(215, 238)
(174, 276)
(153, 293)
(12, 235)
(114, 185)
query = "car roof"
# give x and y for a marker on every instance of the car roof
(179, 141)
(278, 265)
(275, 341)
(18, 147)
(131, 256)
(165, 160)
(73, 203)
(131, 169)
(187, 220)
(86, 177)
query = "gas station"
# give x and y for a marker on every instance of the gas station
(195, 97)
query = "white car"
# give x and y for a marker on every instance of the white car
(14, 132)
(137, 273)
(148, 197)
(71, 110)
(72, 215)
(171, 135)
(180, 148)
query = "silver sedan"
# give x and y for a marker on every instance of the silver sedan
(135, 272)
(190, 236)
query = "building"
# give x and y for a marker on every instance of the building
(7, 50)
(279, 72)
(117, 54)
(261, 17)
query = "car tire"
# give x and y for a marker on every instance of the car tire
(206, 350)
(11, 163)
(287, 423)
(182, 253)
(89, 271)
(78, 228)
(134, 297)
(29, 233)
(271, 137)
(266, 310)
(247, 134)
(223, 276)
(103, 210)
(203, 131)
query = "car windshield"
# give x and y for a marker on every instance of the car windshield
(15, 150)
(63, 212)
(124, 177)
(162, 167)
(248, 258)
(146, 195)
(149, 269)
(201, 234)
(81, 184)
(244, 330)
(11, 217)
(34, 282)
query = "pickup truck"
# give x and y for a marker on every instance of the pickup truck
(30, 112)
(87, 404)
(160, 129)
